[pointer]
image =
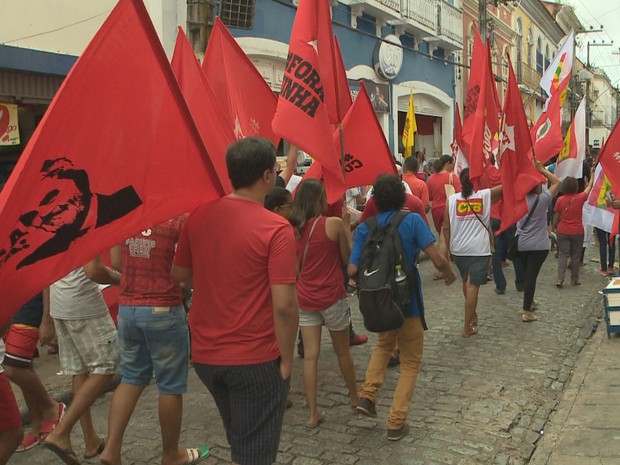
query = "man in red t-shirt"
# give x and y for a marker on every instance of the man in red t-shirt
(418, 187)
(240, 259)
(412, 204)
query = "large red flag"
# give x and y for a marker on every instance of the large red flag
(483, 125)
(245, 99)
(473, 89)
(216, 134)
(367, 153)
(519, 175)
(610, 159)
(308, 93)
(546, 134)
(116, 152)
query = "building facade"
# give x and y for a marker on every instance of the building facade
(420, 36)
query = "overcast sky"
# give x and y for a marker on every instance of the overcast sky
(596, 13)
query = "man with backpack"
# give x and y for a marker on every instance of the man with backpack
(384, 251)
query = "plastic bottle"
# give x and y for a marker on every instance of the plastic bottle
(402, 290)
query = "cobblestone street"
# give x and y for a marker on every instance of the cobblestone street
(482, 400)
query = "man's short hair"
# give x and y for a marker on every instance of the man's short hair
(389, 193)
(412, 165)
(248, 159)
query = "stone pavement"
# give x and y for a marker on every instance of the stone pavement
(585, 428)
(482, 400)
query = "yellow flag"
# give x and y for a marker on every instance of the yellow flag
(410, 128)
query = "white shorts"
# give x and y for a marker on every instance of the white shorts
(87, 346)
(335, 318)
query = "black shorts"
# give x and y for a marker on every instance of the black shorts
(251, 400)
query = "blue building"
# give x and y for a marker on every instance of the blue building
(394, 46)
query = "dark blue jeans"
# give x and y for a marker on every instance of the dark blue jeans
(603, 247)
(502, 242)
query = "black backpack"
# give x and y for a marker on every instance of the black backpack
(382, 300)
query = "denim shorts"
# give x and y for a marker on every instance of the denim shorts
(154, 340)
(476, 267)
(335, 318)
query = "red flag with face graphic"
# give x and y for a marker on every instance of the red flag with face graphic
(92, 175)
(244, 97)
(367, 153)
(216, 134)
(547, 132)
(519, 175)
(306, 105)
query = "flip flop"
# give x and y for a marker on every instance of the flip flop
(196, 454)
(97, 452)
(67, 456)
(47, 426)
(322, 418)
(473, 332)
(528, 318)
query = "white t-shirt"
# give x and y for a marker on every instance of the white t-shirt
(351, 196)
(75, 297)
(468, 237)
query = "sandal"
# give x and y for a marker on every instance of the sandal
(66, 455)
(196, 454)
(473, 332)
(321, 420)
(97, 452)
(29, 441)
(47, 426)
(528, 317)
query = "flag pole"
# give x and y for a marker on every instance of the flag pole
(338, 109)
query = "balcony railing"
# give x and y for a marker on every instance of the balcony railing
(433, 20)
(528, 76)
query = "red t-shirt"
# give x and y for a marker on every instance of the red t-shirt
(321, 281)
(437, 191)
(237, 250)
(147, 258)
(412, 204)
(418, 187)
(571, 213)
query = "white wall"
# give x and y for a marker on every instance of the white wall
(67, 26)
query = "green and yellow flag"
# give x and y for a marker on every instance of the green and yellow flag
(410, 128)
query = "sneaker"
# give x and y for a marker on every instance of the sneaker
(397, 434)
(358, 340)
(366, 407)
(601, 271)
(499, 291)
(610, 270)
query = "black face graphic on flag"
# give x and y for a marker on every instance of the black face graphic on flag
(62, 212)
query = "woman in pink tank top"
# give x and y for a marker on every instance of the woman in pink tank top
(323, 247)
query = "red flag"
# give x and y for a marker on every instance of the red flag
(610, 159)
(367, 153)
(546, 134)
(343, 92)
(245, 99)
(308, 95)
(473, 89)
(483, 125)
(92, 175)
(215, 133)
(519, 175)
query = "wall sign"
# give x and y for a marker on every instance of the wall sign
(388, 57)
(9, 128)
